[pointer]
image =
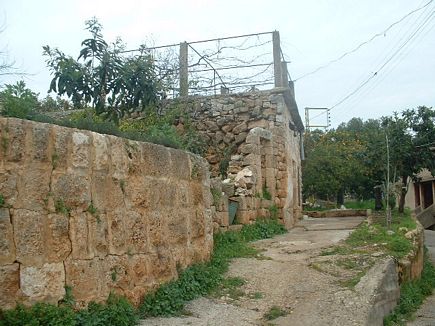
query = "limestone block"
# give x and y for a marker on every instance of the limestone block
(14, 140)
(163, 266)
(101, 149)
(197, 224)
(179, 167)
(45, 283)
(137, 232)
(211, 125)
(28, 236)
(62, 138)
(7, 245)
(243, 217)
(140, 278)
(80, 235)
(117, 230)
(98, 231)
(58, 244)
(223, 218)
(108, 193)
(86, 280)
(41, 142)
(74, 190)
(80, 157)
(240, 128)
(157, 233)
(177, 225)
(119, 158)
(197, 194)
(183, 196)
(8, 186)
(228, 127)
(229, 138)
(33, 186)
(240, 138)
(258, 123)
(249, 148)
(9, 285)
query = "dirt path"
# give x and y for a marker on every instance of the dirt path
(283, 276)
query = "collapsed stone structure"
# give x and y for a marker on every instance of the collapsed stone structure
(96, 212)
(254, 150)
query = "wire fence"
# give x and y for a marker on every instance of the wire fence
(217, 66)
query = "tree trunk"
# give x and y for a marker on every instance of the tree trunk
(403, 192)
(340, 197)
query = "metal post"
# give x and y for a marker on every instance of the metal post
(184, 81)
(277, 67)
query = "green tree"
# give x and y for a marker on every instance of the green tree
(102, 76)
(18, 101)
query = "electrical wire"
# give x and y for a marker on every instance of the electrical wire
(363, 43)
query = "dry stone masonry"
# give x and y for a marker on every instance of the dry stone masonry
(254, 150)
(95, 212)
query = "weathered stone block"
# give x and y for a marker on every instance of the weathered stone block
(28, 236)
(117, 232)
(86, 280)
(62, 138)
(9, 285)
(45, 283)
(137, 232)
(80, 157)
(7, 245)
(14, 140)
(41, 142)
(98, 235)
(72, 189)
(80, 235)
(58, 243)
(33, 187)
(258, 124)
(8, 186)
(101, 149)
(240, 128)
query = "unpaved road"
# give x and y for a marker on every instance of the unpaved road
(283, 277)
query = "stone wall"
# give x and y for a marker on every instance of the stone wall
(254, 142)
(95, 212)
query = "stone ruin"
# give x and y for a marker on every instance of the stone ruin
(254, 151)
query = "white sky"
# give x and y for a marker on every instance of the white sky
(312, 33)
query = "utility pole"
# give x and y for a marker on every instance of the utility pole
(388, 184)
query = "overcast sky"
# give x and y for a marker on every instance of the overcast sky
(313, 32)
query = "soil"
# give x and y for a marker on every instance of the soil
(286, 275)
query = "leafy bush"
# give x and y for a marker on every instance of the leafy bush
(18, 101)
(116, 311)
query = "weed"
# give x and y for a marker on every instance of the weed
(266, 194)
(2, 200)
(256, 295)
(412, 295)
(60, 207)
(351, 282)
(92, 209)
(194, 173)
(54, 160)
(114, 274)
(274, 312)
(337, 250)
(273, 210)
(217, 195)
(230, 288)
(122, 185)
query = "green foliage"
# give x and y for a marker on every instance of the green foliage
(274, 312)
(273, 210)
(60, 207)
(360, 204)
(49, 104)
(2, 200)
(116, 311)
(115, 84)
(202, 279)
(225, 160)
(92, 209)
(266, 194)
(395, 244)
(18, 101)
(412, 295)
(217, 195)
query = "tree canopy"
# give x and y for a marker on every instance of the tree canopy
(352, 157)
(114, 84)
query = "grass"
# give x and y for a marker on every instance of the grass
(274, 312)
(360, 204)
(395, 244)
(230, 287)
(116, 311)
(203, 279)
(412, 295)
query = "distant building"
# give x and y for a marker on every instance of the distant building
(421, 193)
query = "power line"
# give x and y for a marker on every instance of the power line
(375, 74)
(364, 43)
